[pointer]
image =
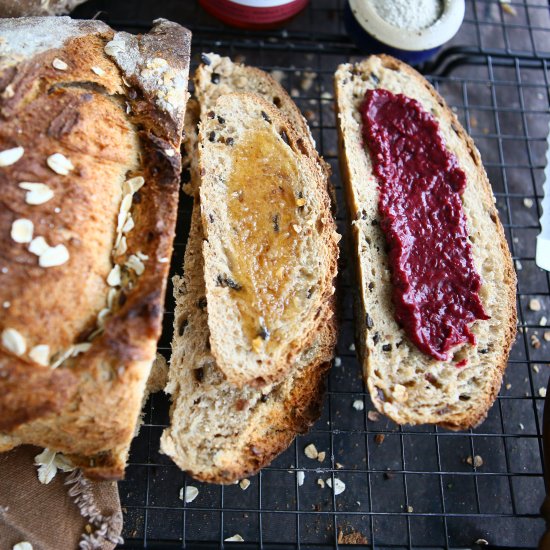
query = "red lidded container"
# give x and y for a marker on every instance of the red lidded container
(254, 14)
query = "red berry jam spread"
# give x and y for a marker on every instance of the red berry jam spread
(435, 283)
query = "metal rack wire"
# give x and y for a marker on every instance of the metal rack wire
(406, 487)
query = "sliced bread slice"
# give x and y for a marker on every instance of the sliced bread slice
(271, 245)
(219, 433)
(405, 384)
(218, 76)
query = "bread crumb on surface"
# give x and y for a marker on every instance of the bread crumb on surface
(528, 203)
(358, 405)
(311, 451)
(547, 336)
(482, 542)
(191, 493)
(234, 538)
(508, 386)
(244, 484)
(543, 321)
(352, 347)
(542, 392)
(373, 416)
(410, 509)
(337, 362)
(536, 368)
(379, 439)
(321, 456)
(339, 486)
(535, 342)
(321, 483)
(353, 537)
(534, 304)
(300, 477)
(476, 461)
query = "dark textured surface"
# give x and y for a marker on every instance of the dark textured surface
(501, 97)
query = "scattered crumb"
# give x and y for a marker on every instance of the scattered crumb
(300, 476)
(353, 537)
(482, 542)
(410, 509)
(234, 538)
(294, 92)
(521, 426)
(244, 484)
(519, 266)
(476, 461)
(473, 121)
(358, 405)
(534, 304)
(536, 368)
(321, 483)
(337, 362)
(547, 335)
(535, 342)
(311, 451)
(339, 486)
(528, 203)
(507, 8)
(191, 493)
(543, 321)
(379, 439)
(352, 347)
(321, 456)
(373, 416)
(339, 466)
(542, 392)
(326, 95)
(508, 386)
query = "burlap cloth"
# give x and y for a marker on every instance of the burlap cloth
(46, 515)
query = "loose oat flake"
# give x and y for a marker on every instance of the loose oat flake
(10, 156)
(22, 230)
(234, 538)
(60, 164)
(40, 354)
(13, 341)
(339, 486)
(38, 246)
(311, 451)
(98, 71)
(191, 493)
(37, 193)
(54, 256)
(300, 476)
(48, 463)
(59, 64)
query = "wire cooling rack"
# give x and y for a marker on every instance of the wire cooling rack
(419, 487)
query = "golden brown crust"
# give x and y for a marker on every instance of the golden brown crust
(111, 128)
(471, 417)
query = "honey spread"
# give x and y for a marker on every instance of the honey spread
(435, 283)
(263, 210)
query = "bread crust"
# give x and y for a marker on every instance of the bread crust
(453, 417)
(112, 126)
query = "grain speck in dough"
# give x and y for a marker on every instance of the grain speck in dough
(40, 354)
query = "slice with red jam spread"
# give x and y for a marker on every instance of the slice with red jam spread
(435, 284)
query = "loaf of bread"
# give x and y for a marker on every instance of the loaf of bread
(18, 8)
(406, 384)
(270, 246)
(91, 124)
(218, 432)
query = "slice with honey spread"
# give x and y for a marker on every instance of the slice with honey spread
(270, 246)
(436, 309)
